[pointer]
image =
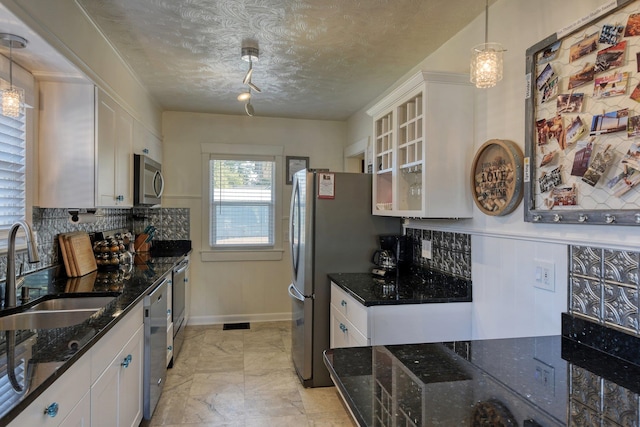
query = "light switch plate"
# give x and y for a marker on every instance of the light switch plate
(426, 249)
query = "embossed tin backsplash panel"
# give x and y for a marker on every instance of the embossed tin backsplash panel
(604, 286)
(451, 252)
(171, 224)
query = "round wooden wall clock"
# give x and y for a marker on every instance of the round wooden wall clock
(496, 177)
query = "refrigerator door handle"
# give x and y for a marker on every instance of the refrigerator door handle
(294, 293)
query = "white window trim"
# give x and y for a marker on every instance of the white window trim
(275, 253)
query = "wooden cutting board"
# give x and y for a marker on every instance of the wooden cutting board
(84, 260)
(77, 254)
(67, 255)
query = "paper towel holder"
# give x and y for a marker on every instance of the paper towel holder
(75, 213)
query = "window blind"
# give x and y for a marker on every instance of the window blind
(242, 202)
(12, 170)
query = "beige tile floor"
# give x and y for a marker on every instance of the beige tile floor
(243, 378)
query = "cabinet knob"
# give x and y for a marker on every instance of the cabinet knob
(169, 311)
(126, 361)
(145, 150)
(52, 410)
(120, 198)
(343, 303)
(170, 348)
(343, 328)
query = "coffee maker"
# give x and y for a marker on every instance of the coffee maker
(394, 256)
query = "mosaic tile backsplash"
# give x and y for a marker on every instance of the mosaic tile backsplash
(171, 224)
(603, 286)
(451, 252)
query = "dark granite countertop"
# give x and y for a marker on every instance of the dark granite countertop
(57, 349)
(419, 288)
(538, 381)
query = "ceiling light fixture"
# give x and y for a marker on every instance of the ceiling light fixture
(250, 53)
(486, 59)
(12, 98)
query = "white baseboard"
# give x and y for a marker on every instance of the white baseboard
(238, 318)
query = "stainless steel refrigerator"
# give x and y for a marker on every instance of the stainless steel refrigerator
(331, 230)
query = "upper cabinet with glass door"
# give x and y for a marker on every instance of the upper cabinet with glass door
(422, 148)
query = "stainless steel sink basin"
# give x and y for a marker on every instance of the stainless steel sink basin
(67, 303)
(47, 319)
(55, 313)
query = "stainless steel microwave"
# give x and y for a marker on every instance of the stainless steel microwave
(148, 183)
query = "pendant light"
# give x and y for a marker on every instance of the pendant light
(12, 98)
(486, 59)
(250, 53)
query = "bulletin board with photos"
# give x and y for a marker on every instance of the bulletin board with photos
(582, 160)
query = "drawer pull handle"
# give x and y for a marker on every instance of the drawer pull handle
(343, 303)
(52, 410)
(126, 361)
(343, 328)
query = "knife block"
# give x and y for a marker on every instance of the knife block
(139, 244)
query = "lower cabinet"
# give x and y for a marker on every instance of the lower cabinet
(62, 404)
(80, 416)
(102, 388)
(353, 324)
(116, 392)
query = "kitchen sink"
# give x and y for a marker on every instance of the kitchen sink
(68, 303)
(55, 313)
(45, 319)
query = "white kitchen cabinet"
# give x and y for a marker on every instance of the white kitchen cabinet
(422, 148)
(145, 142)
(116, 392)
(80, 415)
(67, 392)
(85, 148)
(353, 324)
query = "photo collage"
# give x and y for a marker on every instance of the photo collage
(587, 116)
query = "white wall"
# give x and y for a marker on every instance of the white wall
(239, 291)
(505, 303)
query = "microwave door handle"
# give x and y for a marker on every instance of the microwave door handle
(156, 176)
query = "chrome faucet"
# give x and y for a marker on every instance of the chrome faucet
(32, 253)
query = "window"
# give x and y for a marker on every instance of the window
(16, 153)
(12, 170)
(242, 203)
(242, 209)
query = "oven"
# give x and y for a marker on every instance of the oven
(178, 309)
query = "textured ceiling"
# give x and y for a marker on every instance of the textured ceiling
(320, 59)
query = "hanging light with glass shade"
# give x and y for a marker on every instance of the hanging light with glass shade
(13, 98)
(486, 59)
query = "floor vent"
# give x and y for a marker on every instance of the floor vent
(232, 326)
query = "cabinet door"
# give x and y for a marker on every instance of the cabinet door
(104, 397)
(80, 416)
(124, 159)
(114, 141)
(116, 397)
(130, 382)
(145, 142)
(106, 148)
(338, 336)
(66, 149)
(66, 392)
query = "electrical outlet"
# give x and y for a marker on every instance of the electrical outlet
(426, 249)
(545, 375)
(544, 275)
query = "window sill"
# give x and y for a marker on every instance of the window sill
(246, 255)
